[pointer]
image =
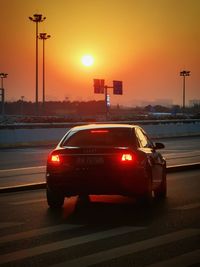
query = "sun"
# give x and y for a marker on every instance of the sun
(87, 60)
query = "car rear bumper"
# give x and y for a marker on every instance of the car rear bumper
(98, 183)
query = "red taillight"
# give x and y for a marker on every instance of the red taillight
(55, 159)
(127, 157)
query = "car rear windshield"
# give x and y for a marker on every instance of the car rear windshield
(115, 137)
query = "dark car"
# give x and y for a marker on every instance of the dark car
(105, 159)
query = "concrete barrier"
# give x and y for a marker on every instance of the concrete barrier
(25, 137)
(50, 134)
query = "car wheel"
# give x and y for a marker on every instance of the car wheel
(161, 191)
(147, 197)
(54, 199)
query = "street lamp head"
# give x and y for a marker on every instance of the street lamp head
(188, 73)
(44, 36)
(37, 18)
(3, 75)
(185, 73)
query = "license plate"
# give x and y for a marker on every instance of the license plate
(88, 161)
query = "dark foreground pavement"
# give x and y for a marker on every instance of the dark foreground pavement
(106, 232)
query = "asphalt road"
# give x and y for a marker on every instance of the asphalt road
(27, 165)
(109, 231)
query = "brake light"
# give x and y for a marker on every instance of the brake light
(99, 131)
(55, 158)
(127, 157)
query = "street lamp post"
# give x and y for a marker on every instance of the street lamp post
(37, 18)
(44, 36)
(2, 94)
(22, 105)
(184, 73)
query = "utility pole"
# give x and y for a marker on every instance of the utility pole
(37, 18)
(22, 105)
(43, 36)
(184, 73)
(2, 92)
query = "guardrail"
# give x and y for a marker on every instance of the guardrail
(72, 124)
(50, 133)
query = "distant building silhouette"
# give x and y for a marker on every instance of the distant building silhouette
(161, 102)
(194, 102)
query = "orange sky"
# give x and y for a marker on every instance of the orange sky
(144, 43)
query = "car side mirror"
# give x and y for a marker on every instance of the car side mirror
(159, 146)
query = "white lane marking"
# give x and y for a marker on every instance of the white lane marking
(25, 253)
(37, 232)
(171, 156)
(110, 254)
(184, 260)
(22, 169)
(188, 207)
(32, 201)
(9, 224)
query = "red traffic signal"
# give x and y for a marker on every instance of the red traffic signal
(99, 85)
(117, 88)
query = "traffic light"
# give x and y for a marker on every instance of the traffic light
(108, 100)
(99, 86)
(117, 87)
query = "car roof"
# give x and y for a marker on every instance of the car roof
(103, 125)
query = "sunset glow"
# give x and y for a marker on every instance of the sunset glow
(87, 60)
(144, 43)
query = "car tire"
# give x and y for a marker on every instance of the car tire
(161, 191)
(147, 197)
(54, 199)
